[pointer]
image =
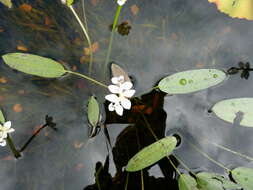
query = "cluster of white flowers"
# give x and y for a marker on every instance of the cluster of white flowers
(121, 91)
(121, 2)
(4, 130)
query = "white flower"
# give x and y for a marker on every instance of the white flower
(123, 90)
(121, 2)
(4, 130)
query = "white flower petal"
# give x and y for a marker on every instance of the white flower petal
(114, 89)
(10, 130)
(119, 109)
(128, 93)
(7, 125)
(126, 85)
(111, 107)
(112, 98)
(121, 2)
(125, 103)
(2, 142)
(117, 80)
(3, 135)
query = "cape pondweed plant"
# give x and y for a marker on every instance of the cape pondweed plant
(179, 83)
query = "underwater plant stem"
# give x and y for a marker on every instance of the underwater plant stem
(126, 184)
(179, 173)
(181, 162)
(208, 157)
(231, 151)
(116, 17)
(84, 15)
(12, 147)
(147, 91)
(86, 35)
(32, 137)
(142, 180)
(149, 127)
(97, 177)
(87, 78)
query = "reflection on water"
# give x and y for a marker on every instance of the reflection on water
(165, 37)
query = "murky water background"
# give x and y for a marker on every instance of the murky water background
(166, 37)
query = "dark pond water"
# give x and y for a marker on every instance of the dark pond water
(167, 36)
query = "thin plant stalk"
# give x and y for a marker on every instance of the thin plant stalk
(12, 147)
(86, 35)
(116, 18)
(126, 184)
(87, 78)
(142, 180)
(231, 151)
(84, 15)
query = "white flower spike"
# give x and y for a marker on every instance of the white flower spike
(121, 2)
(4, 130)
(123, 90)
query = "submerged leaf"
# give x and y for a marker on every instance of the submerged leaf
(151, 154)
(191, 81)
(118, 71)
(186, 182)
(2, 119)
(244, 177)
(93, 111)
(34, 65)
(229, 110)
(235, 8)
(7, 3)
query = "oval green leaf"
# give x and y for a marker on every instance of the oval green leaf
(229, 109)
(93, 111)
(244, 177)
(191, 81)
(186, 182)
(206, 181)
(151, 154)
(7, 3)
(2, 119)
(34, 65)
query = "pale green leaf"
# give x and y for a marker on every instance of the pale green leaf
(229, 109)
(34, 65)
(151, 154)
(211, 181)
(70, 2)
(186, 182)
(244, 177)
(93, 111)
(191, 81)
(7, 3)
(2, 119)
(206, 182)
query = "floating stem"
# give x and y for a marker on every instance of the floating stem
(12, 147)
(87, 78)
(86, 35)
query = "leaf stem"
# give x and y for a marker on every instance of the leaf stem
(116, 17)
(12, 147)
(86, 35)
(87, 78)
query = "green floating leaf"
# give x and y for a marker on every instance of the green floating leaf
(191, 81)
(93, 111)
(7, 3)
(151, 154)
(206, 182)
(186, 182)
(229, 109)
(34, 65)
(212, 181)
(244, 177)
(2, 119)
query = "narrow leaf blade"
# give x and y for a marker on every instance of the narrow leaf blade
(191, 81)
(34, 65)
(2, 119)
(151, 154)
